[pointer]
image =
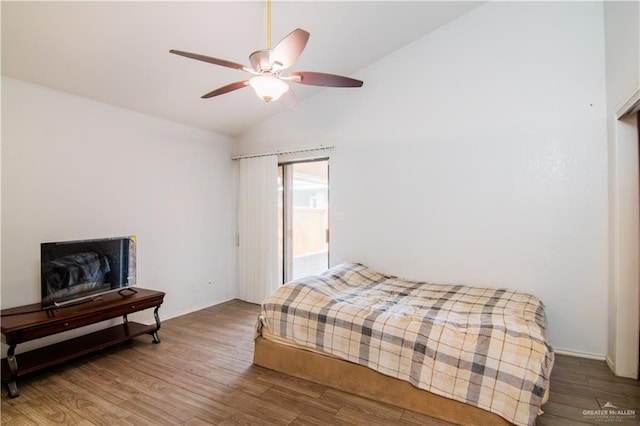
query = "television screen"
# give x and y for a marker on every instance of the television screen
(71, 271)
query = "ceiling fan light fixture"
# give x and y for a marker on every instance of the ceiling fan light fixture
(267, 87)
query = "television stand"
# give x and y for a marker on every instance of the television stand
(30, 322)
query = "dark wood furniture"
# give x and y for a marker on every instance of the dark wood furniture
(29, 322)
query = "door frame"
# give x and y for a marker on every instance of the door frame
(624, 241)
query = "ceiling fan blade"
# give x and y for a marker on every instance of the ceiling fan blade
(209, 59)
(226, 89)
(322, 79)
(289, 49)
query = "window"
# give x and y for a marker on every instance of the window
(303, 216)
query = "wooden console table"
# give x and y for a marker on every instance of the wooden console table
(29, 322)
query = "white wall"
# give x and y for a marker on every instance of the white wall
(476, 155)
(622, 37)
(73, 168)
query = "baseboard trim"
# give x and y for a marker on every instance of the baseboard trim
(610, 364)
(579, 354)
(193, 309)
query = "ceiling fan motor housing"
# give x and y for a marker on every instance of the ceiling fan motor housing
(261, 60)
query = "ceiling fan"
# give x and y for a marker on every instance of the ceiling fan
(268, 64)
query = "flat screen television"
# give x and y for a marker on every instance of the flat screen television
(76, 271)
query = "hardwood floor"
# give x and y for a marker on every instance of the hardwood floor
(201, 374)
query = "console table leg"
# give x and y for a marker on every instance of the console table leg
(156, 339)
(13, 389)
(13, 367)
(11, 359)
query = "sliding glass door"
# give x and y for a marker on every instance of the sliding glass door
(303, 218)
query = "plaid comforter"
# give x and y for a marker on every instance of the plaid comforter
(484, 347)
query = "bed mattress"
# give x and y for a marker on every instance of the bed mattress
(484, 347)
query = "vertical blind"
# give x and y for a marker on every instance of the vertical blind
(258, 227)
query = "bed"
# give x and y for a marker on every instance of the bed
(462, 354)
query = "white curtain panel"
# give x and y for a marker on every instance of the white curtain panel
(258, 227)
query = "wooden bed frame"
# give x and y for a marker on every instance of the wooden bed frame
(362, 381)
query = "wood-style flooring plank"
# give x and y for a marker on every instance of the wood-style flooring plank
(411, 418)
(202, 374)
(551, 420)
(367, 408)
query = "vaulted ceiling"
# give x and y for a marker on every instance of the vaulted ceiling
(118, 52)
